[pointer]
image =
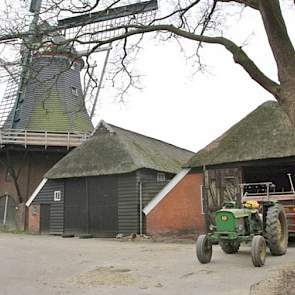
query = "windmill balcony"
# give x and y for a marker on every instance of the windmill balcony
(41, 138)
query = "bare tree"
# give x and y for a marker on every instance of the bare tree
(196, 20)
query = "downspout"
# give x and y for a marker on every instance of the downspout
(5, 210)
(87, 203)
(205, 195)
(202, 199)
(140, 209)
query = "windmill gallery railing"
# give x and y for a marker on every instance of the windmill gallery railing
(41, 138)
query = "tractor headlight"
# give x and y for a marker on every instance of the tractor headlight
(224, 217)
(211, 227)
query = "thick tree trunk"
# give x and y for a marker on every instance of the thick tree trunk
(287, 98)
(20, 217)
(283, 52)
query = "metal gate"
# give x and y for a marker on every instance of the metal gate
(7, 213)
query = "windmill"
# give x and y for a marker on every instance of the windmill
(42, 113)
(98, 26)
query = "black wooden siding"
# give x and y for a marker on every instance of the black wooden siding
(56, 215)
(91, 205)
(101, 205)
(150, 185)
(76, 206)
(127, 203)
(128, 197)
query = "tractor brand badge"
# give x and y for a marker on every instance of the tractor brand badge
(224, 218)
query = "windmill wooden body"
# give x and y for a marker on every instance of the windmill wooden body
(43, 114)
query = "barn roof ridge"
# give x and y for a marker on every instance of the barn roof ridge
(114, 150)
(111, 126)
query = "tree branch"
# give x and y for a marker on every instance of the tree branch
(239, 55)
(251, 3)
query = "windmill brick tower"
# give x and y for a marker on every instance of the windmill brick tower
(42, 113)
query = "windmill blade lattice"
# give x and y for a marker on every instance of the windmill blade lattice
(8, 100)
(102, 25)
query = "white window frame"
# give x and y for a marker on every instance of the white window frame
(57, 196)
(161, 177)
(74, 91)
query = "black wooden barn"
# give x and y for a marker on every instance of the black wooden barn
(101, 187)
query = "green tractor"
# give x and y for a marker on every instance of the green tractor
(263, 224)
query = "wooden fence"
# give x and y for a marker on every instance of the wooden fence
(41, 138)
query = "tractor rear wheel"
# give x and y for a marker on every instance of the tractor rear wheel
(258, 251)
(230, 247)
(276, 230)
(204, 249)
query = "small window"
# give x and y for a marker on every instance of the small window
(161, 177)
(75, 91)
(57, 196)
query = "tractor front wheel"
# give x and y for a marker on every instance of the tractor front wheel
(204, 249)
(258, 251)
(276, 230)
(230, 247)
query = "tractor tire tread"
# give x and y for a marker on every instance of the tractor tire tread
(257, 259)
(203, 252)
(276, 243)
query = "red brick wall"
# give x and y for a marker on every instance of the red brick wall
(180, 210)
(34, 219)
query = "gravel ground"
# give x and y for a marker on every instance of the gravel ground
(51, 265)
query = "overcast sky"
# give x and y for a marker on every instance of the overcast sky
(191, 110)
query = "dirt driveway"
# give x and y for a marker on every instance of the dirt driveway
(53, 265)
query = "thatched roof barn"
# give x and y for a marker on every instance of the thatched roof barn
(101, 187)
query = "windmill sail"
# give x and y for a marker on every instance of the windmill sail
(107, 23)
(8, 100)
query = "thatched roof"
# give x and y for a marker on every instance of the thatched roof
(113, 150)
(265, 133)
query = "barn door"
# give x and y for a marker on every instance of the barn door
(44, 218)
(76, 206)
(103, 205)
(221, 185)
